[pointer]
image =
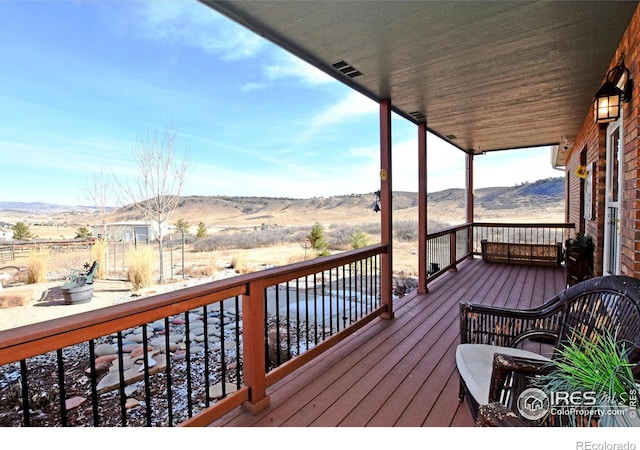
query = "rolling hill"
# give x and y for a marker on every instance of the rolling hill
(542, 200)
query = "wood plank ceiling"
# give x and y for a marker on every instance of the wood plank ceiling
(484, 75)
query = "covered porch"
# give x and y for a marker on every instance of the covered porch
(485, 80)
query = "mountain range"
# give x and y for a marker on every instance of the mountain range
(540, 197)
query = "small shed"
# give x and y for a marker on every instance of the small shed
(131, 231)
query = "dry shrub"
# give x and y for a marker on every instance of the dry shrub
(239, 263)
(203, 270)
(99, 253)
(140, 266)
(37, 266)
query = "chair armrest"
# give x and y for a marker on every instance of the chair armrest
(521, 368)
(497, 415)
(507, 327)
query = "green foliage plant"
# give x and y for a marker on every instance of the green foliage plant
(182, 226)
(83, 232)
(318, 241)
(597, 364)
(581, 240)
(21, 232)
(359, 239)
(202, 230)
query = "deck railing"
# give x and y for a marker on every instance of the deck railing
(189, 356)
(521, 233)
(447, 247)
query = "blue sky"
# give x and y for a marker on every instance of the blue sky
(82, 82)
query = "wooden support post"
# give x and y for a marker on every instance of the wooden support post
(386, 229)
(422, 208)
(469, 199)
(452, 251)
(254, 356)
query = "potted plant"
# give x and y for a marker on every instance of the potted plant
(593, 378)
(579, 258)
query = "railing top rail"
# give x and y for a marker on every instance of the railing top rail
(524, 225)
(296, 270)
(448, 230)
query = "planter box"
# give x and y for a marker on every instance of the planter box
(546, 255)
(77, 293)
(579, 265)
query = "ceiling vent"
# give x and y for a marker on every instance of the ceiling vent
(347, 69)
(418, 116)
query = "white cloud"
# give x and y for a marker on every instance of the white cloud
(289, 66)
(199, 26)
(352, 105)
(252, 87)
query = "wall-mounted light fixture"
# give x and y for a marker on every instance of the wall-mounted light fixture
(617, 88)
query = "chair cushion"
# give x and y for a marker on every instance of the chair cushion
(475, 365)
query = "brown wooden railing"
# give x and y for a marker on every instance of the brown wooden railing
(201, 351)
(521, 233)
(448, 247)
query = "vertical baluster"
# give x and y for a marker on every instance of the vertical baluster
(61, 388)
(367, 293)
(277, 327)
(26, 402)
(362, 294)
(223, 356)
(344, 297)
(167, 343)
(288, 325)
(322, 286)
(352, 297)
(94, 383)
(330, 303)
(266, 329)
(147, 382)
(315, 308)
(306, 309)
(187, 333)
(205, 315)
(123, 397)
(298, 315)
(377, 262)
(237, 330)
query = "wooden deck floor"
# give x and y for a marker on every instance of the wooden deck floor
(400, 372)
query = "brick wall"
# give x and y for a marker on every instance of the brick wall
(592, 137)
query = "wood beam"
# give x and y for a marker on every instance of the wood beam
(469, 198)
(386, 219)
(422, 208)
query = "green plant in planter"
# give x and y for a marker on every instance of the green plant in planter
(597, 368)
(581, 241)
(579, 258)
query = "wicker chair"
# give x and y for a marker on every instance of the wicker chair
(503, 349)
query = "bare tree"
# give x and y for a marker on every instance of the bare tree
(100, 194)
(155, 190)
